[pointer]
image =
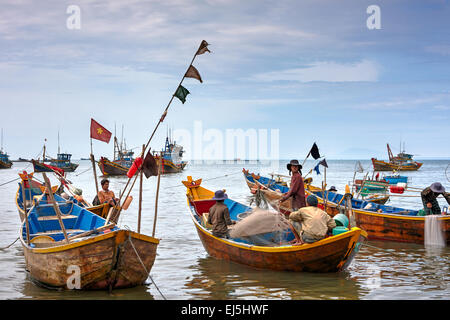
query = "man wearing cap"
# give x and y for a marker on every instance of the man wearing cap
(219, 216)
(429, 195)
(297, 188)
(311, 223)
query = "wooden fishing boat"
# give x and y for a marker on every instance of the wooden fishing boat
(106, 257)
(62, 162)
(384, 222)
(171, 157)
(123, 159)
(30, 188)
(331, 254)
(402, 162)
(5, 163)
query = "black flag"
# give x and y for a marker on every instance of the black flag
(324, 163)
(150, 167)
(315, 152)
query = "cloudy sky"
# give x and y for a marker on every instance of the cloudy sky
(311, 69)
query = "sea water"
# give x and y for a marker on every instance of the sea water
(184, 270)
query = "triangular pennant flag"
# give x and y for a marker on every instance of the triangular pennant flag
(359, 168)
(203, 48)
(324, 163)
(150, 167)
(99, 132)
(315, 151)
(316, 168)
(181, 93)
(193, 73)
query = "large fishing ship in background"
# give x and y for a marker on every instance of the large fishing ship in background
(122, 159)
(402, 162)
(171, 156)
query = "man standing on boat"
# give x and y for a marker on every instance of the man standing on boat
(219, 216)
(429, 195)
(311, 223)
(297, 188)
(105, 195)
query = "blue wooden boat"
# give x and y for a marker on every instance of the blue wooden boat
(253, 181)
(394, 179)
(270, 250)
(100, 257)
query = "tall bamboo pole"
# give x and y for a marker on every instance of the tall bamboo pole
(93, 168)
(161, 119)
(157, 196)
(25, 209)
(140, 196)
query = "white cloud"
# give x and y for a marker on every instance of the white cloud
(365, 70)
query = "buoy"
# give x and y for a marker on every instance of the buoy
(127, 202)
(396, 189)
(134, 167)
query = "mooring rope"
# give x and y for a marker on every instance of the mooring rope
(143, 266)
(4, 248)
(9, 181)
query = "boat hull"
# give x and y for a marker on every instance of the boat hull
(390, 227)
(170, 167)
(38, 167)
(5, 165)
(106, 261)
(328, 255)
(379, 165)
(109, 168)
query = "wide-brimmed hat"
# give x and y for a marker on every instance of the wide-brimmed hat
(294, 163)
(437, 187)
(332, 188)
(220, 195)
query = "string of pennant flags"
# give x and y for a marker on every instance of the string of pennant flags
(149, 165)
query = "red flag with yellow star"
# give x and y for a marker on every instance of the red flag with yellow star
(99, 132)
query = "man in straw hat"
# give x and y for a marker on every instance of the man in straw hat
(219, 216)
(297, 188)
(429, 195)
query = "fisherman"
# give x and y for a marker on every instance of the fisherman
(311, 223)
(297, 187)
(219, 216)
(429, 195)
(332, 189)
(105, 195)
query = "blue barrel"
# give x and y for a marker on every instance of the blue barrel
(339, 230)
(341, 220)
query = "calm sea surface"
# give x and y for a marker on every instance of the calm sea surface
(183, 270)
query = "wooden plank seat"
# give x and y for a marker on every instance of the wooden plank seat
(67, 216)
(56, 232)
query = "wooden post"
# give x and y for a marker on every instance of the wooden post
(25, 209)
(93, 168)
(156, 200)
(325, 192)
(55, 206)
(140, 194)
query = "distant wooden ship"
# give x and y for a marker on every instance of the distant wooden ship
(62, 161)
(123, 159)
(402, 162)
(171, 156)
(5, 163)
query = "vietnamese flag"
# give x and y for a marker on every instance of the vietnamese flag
(99, 132)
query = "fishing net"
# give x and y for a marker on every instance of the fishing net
(263, 228)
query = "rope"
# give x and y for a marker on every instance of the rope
(182, 185)
(10, 244)
(143, 266)
(84, 171)
(9, 181)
